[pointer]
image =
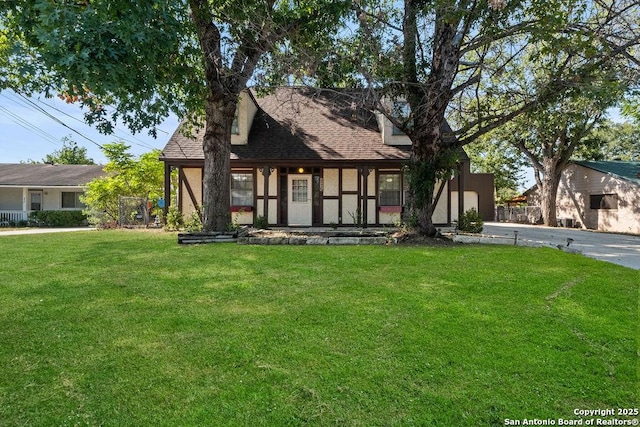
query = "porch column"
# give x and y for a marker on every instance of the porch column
(364, 197)
(266, 172)
(25, 201)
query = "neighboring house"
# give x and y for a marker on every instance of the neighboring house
(601, 195)
(33, 187)
(303, 157)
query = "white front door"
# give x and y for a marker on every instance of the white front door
(300, 207)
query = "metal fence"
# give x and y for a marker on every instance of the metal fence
(133, 211)
(521, 215)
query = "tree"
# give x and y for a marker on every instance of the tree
(492, 154)
(553, 132)
(138, 61)
(620, 141)
(424, 61)
(126, 176)
(69, 154)
(549, 136)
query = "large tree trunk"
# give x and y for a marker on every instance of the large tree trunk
(216, 176)
(549, 190)
(430, 153)
(421, 203)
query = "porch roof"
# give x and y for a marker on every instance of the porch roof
(298, 124)
(46, 175)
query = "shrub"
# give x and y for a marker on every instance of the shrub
(194, 223)
(58, 218)
(175, 219)
(470, 222)
(261, 222)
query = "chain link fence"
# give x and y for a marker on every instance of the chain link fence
(133, 211)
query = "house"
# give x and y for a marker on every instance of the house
(33, 187)
(308, 157)
(600, 195)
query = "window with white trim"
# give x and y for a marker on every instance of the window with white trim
(401, 111)
(235, 128)
(389, 189)
(71, 200)
(241, 189)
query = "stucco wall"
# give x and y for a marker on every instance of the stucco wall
(441, 211)
(330, 211)
(330, 181)
(578, 183)
(349, 208)
(194, 178)
(470, 202)
(349, 179)
(246, 111)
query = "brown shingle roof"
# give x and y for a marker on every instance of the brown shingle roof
(45, 175)
(302, 124)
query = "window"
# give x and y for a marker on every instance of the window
(402, 111)
(235, 129)
(604, 201)
(389, 189)
(299, 190)
(71, 200)
(241, 189)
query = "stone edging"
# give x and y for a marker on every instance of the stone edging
(314, 240)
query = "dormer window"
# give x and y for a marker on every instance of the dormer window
(401, 111)
(235, 129)
(396, 131)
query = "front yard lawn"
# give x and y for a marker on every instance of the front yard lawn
(128, 328)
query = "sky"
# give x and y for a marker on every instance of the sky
(29, 132)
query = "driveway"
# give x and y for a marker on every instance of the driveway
(619, 249)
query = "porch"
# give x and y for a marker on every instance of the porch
(12, 217)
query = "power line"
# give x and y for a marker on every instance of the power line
(115, 133)
(20, 121)
(57, 120)
(33, 104)
(118, 132)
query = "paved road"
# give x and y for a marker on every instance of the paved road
(615, 248)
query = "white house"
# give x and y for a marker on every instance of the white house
(33, 187)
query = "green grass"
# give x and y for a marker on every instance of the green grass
(126, 328)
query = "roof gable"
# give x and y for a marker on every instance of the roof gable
(47, 175)
(629, 171)
(298, 124)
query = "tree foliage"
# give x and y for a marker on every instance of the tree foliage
(550, 135)
(620, 141)
(69, 154)
(127, 175)
(137, 61)
(492, 154)
(457, 60)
